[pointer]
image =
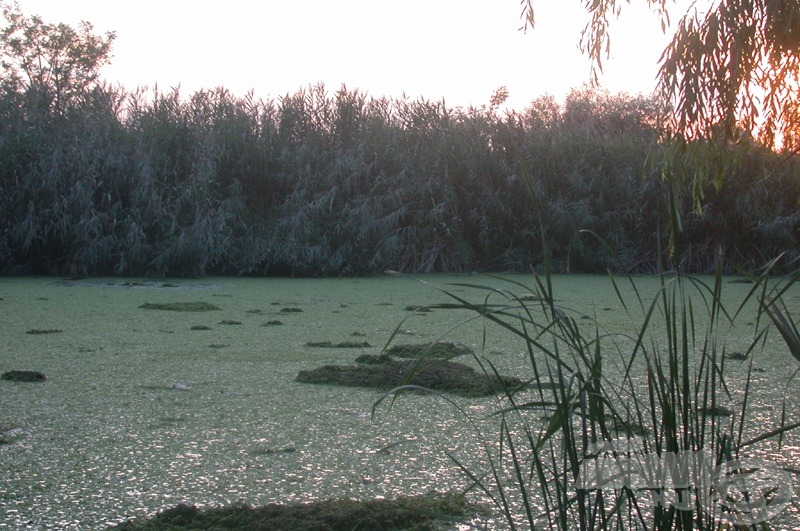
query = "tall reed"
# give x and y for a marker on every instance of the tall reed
(649, 429)
(323, 182)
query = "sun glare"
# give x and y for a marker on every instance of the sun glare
(443, 50)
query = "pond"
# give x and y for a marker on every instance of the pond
(145, 408)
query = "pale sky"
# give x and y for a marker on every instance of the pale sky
(459, 50)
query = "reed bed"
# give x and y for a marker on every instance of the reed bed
(343, 183)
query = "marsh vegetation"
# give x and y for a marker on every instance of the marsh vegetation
(338, 182)
(648, 427)
(519, 383)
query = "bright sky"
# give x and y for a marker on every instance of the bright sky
(458, 50)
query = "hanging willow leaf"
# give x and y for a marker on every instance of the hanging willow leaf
(730, 69)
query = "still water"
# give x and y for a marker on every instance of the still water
(142, 410)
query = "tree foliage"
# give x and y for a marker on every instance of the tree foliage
(52, 65)
(731, 68)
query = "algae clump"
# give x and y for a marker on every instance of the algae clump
(383, 372)
(341, 344)
(24, 376)
(427, 512)
(180, 306)
(439, 350)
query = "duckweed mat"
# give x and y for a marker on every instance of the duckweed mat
(41, 331)
(340, 344)
(140, 413)
(383, 372)
(23, 376)
(419, 513)
(440, 350)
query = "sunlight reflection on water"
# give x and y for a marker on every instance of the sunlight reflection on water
(107, 438)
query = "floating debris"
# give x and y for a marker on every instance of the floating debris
(271, 451)
(200, 327)
(37, 331)
(372, 359)
(229, 322)
(439, 350)
(716, 411)
(9, 435)
(341, 344)
(736, 356)
(291, 310)
(545, 385)
(429, 511)
(628, 426)
(181, 386)
(24, 376)
(437, 375)
(180, 306)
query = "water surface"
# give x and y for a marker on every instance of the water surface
(108, 436)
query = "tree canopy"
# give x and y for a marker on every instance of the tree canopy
(731, 67)
(52, 64)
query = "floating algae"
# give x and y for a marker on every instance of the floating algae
(428, 511)
(372, 359)
(419, 309)
(716, 411)
(24, 376)
(9, 435)
(180, 306)
(382, 373)
(340, 344)
(736, 356)
(439, 350)
(273, 451)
